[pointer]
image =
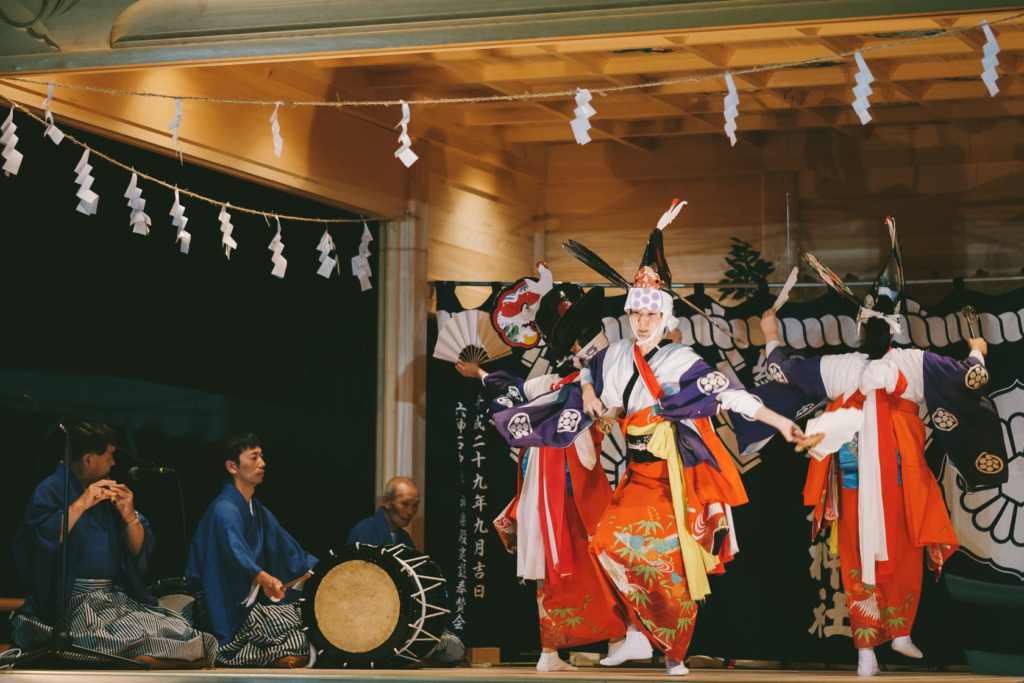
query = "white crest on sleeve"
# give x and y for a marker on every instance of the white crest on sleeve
(519, 426)
(712, 383)
(568, 420)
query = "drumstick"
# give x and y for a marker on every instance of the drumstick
(298, 580)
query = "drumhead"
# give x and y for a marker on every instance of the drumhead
(357, 606)
(173, 594)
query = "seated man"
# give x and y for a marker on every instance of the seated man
(387, 527)
(109, 608)
(238, 549)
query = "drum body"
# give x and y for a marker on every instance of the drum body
(374, 606)
(183, 597)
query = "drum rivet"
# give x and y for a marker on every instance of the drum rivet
(331, 552)
(305, 628)
(302, 599)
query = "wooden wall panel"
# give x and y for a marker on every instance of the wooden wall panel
(958, 199)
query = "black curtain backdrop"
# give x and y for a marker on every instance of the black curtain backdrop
(781, 599)
(175, 349)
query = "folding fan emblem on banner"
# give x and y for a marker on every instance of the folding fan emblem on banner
(469, 336)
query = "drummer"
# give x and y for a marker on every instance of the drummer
(400, 504)
(239, 551)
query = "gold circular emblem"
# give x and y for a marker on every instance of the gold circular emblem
(988, 464)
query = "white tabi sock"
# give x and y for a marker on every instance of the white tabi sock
(550, 661)
(635, 646)
(905, 646)
(674, 668)
(867, 665)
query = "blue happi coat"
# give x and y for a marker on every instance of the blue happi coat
(230, 547)
(97, 548)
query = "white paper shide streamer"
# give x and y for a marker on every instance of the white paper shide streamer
(327, 264)
(990, 62)
(275, 129)
(88, 200)
(405, 153)
(139, 221)
(784, 294)
(361, 262)
(52, 130)
(12, 157)
(176, 124)
(227, 241)
(581, 124)
(179, 221)
(863, 89)
(732, 101)
(277, 246)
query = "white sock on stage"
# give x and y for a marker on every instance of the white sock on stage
(674, 668)
(905, 646)
(635, 646)
(550, 661)
(867, 665)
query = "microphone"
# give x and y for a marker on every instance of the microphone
(137, 473)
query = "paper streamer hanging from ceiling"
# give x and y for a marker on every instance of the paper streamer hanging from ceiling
(863, 89)
(139, 221)
(52, 131)
(277, 246)
(990, 62)
(227, 241)
(12, 157)
(361, 262)
(176, 125)
(581, 124)
(732, 101)
(327, 264)
(275, 129)
(405, 153)
(179, 221)
(88, 200)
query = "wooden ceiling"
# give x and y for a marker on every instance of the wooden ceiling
(927, 81)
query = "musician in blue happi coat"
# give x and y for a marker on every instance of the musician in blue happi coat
(109, 608)
(401, 503)
(239, 551)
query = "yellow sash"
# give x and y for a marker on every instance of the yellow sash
(697, 561)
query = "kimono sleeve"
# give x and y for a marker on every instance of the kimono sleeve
(36, 545)
(963, 421)
(286, 558)
(553, 420)
(699, 389)
(796, 389)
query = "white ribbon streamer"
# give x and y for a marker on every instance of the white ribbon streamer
(277, 246)
(52, 130)
(327, 264)
(361, 263)
(893, 321)
(12, 157)
(784, 294)
(671, 214)
(180, 221)
(275, 129)
(581, 124)
(226, 241)
(990, 62)
(176, 125)
(732, 101)
(862, 89)
(405, 153)
(139, 221)
(88, 200)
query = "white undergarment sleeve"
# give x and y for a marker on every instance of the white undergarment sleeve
(586, 377)
(772, 345)
(739, 401)
(841, 373)
(977, 354)
(537, 386)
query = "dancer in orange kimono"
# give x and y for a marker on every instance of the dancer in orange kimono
(868, 478)
(669, 522)
(563, 490)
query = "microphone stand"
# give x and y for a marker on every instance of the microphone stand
(63, 642)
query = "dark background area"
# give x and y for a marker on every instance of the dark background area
(174, 349)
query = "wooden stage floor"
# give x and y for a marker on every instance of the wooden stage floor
(495, 674)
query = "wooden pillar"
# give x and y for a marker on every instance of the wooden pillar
(402, 379)
(779, 209)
